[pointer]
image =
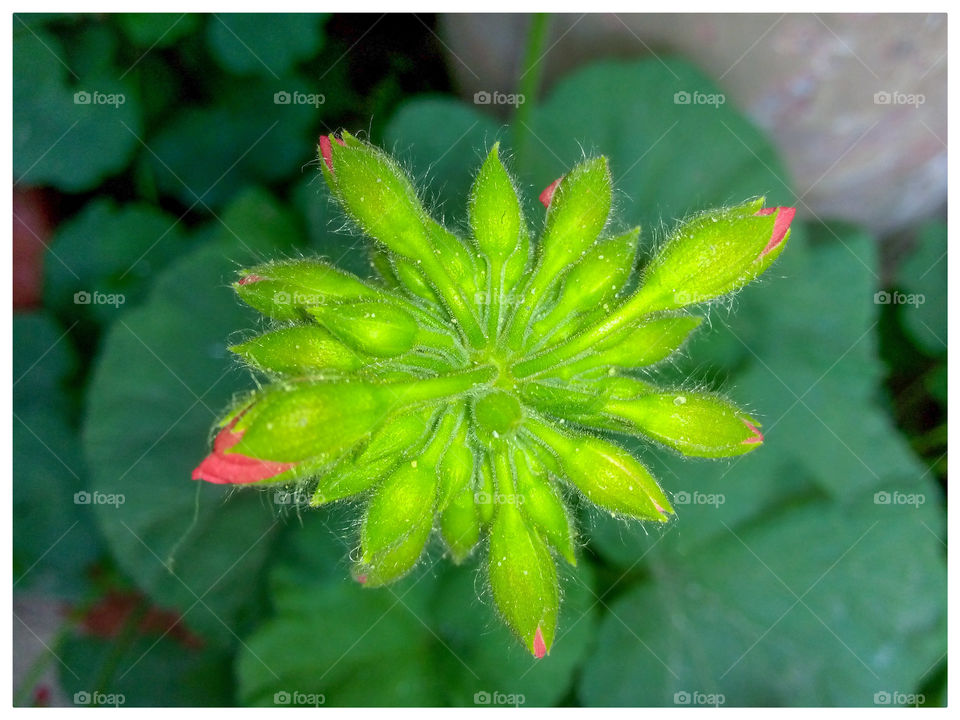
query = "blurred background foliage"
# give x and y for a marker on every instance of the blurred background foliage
(815, 575)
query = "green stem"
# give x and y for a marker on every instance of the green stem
(503, 471)
(445, 386)
(530, 81)
(634, 308)
(456, 304)
(495, 286)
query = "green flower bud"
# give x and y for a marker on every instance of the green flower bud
(648, 344)
(299, 350)
(457, 467)
(542, 505)
(496, 218)
(374, 328)
(606, 474)
(716, 253)
(593, 281)
(377, 195)
(695, 424)
(283, 289)
(460, 524)
(400, 514)
(523, 580)
(397, 441)
(577, 214)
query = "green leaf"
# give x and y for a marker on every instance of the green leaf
(147, 428)
(69, 132)
(157, 30)
(343, 633)
(264, 44)
(924, 275)
(104, 258)
(54, 535)
(825, 608)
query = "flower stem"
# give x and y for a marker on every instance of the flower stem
(634, 308)
(444, 386)
(530, 80)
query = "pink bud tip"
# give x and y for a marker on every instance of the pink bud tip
(657, 506)
(539, 646)
(248, 279)
(362, 579)
(326, 151)
(223, 468)
(780, 225)
(547, 195)
(757, 435)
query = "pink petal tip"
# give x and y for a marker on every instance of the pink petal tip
(362, 579)
(757, 435)
(780, 225)
(249, 279)
(547, 195)
(223, 468)
(539, 646)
